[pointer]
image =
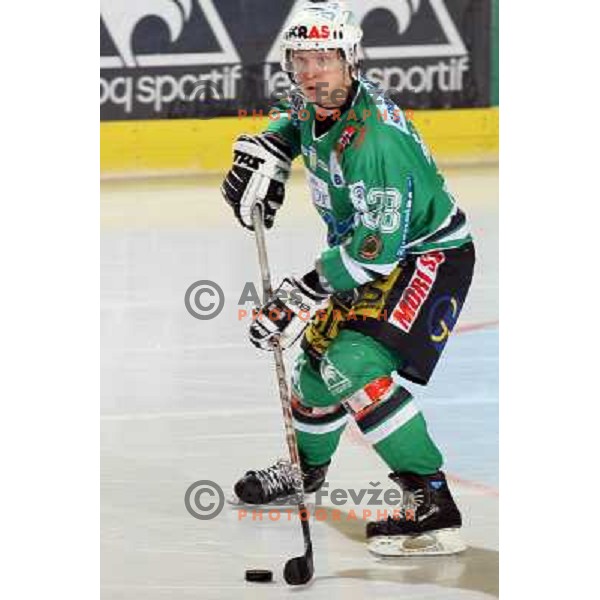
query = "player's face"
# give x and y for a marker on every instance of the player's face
(323, 76)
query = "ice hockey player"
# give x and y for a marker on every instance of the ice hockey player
(385, 293)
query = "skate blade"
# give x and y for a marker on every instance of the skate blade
(436, 543)
(289, 502)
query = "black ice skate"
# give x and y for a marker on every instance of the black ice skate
(426, 523)
(275, 484)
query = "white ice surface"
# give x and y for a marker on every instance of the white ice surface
(184, 400)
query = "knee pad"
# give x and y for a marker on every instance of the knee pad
(376, 402)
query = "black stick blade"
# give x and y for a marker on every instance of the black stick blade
(299, 570)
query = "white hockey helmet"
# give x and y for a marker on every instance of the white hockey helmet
(321, 25)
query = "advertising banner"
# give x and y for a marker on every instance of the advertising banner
(166, 59)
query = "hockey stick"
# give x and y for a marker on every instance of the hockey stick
(298, 570)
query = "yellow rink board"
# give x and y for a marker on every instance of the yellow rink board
(204, 146)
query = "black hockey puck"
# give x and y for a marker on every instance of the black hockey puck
(261, 575)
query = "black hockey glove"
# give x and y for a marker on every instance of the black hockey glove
(261, 166)
(287, 314)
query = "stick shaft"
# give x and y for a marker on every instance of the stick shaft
(301, 569)
(284, 394)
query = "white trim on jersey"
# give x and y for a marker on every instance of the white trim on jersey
(320, 428)
(354, 268)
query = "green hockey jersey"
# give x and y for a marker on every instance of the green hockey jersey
(376, 186)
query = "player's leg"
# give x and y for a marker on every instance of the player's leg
(403, 322)
(357, 370)
(319, 420)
